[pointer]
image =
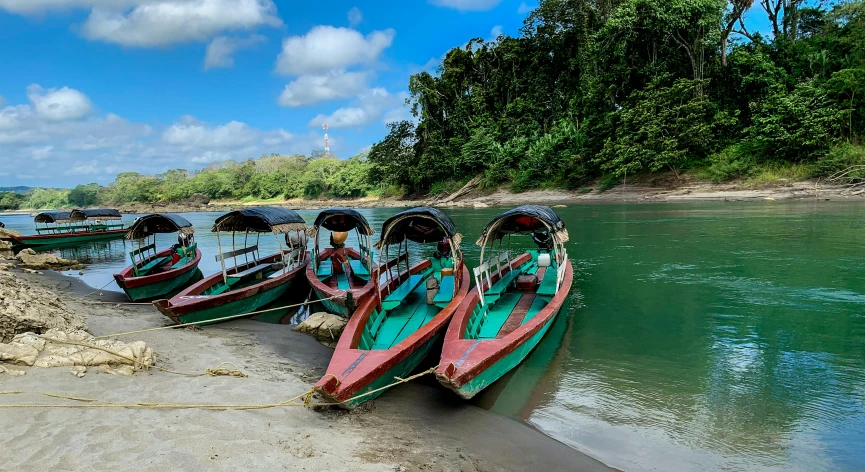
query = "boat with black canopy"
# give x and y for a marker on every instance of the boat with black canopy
(515, 302)
(64, 228)
(392, 332)
(340, 275)
(254, 281)
(157, 274)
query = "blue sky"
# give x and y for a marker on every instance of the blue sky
(90, 88)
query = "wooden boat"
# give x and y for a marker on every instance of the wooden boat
(340, 271)
(497, 325)
(159, 274)
(393, 331)
(250, 285)
(64, 228)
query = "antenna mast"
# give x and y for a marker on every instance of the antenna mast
(326, 143)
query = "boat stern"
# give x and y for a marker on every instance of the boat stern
(165, 307)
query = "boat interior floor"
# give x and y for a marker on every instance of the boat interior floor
(507, 307)
(407, 317)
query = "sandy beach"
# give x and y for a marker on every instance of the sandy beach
(415, 426)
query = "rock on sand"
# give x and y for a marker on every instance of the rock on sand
(24, 308)
(325, 327)
(33, 260)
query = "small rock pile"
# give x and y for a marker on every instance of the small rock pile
(325, 327)
(24, 307)
(30, 259)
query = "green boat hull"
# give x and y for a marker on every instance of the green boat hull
(505, 364)
(237, 307)
(402, 369)
(165, 288)
(64, 241)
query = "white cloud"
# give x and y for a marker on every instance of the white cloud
(525, 8)
(327, 48)
(354, 17)
(164, 22)
(309, 89)
(30, 7)
(495, 33)
(58, 104)
(221, 50)
(367, 109)
(467, 5)
(100, 145)
(41, 152)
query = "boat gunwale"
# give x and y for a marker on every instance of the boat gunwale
(126, 279)
(488, 352)
(357, 293)
(178, 306)
(385, 358)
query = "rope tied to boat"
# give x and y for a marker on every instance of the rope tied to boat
(224, 318)
(91, 403)
(219, 371)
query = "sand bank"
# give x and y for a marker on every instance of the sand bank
(412, 427)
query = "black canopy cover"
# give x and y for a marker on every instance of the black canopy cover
(53, 217)
(525, 219)
(343, 219)
(96, 214)
(159, 223)
(261, 220)
(421, 225)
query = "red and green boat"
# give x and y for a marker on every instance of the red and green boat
(516, 301)
(155, 274)
(70, 228)
(340, 275)
(252, 284)
(392, 332)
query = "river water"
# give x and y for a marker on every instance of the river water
(697, 336)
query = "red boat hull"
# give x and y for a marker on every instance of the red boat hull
(463, 360)
(354, 371)
(358, 295)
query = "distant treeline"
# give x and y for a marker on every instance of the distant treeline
(590, 89)
(605, 88)
(267, 177)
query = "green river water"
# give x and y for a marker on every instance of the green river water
(710, 336)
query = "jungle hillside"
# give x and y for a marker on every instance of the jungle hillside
(590, 91)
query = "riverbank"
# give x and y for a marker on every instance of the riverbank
(413, 427)
(650, 189)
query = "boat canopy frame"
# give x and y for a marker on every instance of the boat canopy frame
(414, 225)
(522, 220)
(53, 221)
(343, 220)
(258, 220)
(146, 227)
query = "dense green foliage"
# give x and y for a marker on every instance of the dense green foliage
(615, 87)
(267, 177)
(590, 89)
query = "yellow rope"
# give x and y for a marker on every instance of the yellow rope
(224, 318)
(10, 393)
(228, 372)
(307, 401)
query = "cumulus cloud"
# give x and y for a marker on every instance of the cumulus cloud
(524, 8)
(467, 5)
(31, 7)
(154, 23)
(495, 33)
(328, 48)
(61, 141)
(366, 110)
(220, 51)
(58, 104)
(309, 89)
(354, 17)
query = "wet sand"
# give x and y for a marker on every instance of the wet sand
(414, 426)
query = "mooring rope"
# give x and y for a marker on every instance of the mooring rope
(307, 400)
(224, 318)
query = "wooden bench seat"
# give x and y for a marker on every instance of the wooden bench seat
(446, 291)
(251, 271)
(358, 269)
(400, 293)
(159, 261)
(325, 269)
(548, 284)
